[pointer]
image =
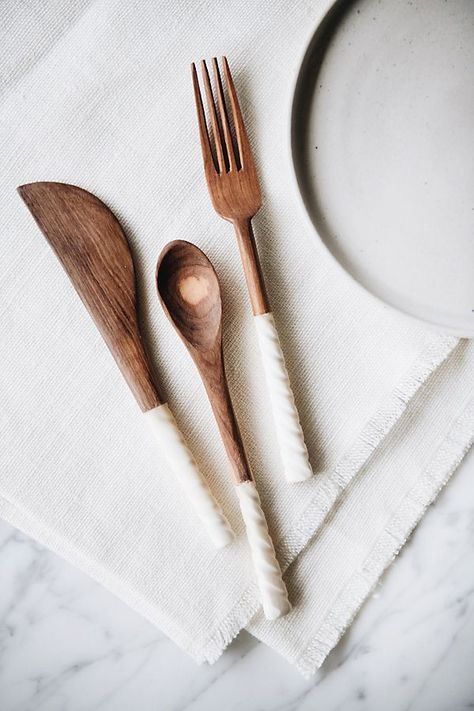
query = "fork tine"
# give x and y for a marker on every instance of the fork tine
(241, 134)
(212, 112)
(203, 134)
(224, 119)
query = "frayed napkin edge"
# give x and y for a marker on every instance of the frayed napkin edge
(393, 538)
(372, 434)
(370, 437)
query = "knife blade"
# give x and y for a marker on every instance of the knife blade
(90, 244)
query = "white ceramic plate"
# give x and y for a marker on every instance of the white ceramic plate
(382, 133)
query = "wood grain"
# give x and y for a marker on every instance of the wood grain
(231, 175)
(252, 269)
(189, 292)
(91, 246)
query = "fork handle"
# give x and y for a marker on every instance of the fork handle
(252, 269)
(287, 423)
(194, 485)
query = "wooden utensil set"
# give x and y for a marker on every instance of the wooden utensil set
(91, 246)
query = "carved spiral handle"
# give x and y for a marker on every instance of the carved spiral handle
(182, 462)
(272, 588)
(287, 423)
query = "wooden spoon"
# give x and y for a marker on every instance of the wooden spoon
(189, 292)
(91, 246)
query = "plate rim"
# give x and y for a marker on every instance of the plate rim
(440, 328)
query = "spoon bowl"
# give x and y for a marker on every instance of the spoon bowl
(190, 292)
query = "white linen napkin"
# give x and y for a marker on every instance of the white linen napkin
(99, 94)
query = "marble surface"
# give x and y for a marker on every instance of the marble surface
(66, 644)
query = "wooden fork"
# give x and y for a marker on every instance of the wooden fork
(235, 194)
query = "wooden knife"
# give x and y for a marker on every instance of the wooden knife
(92, 248)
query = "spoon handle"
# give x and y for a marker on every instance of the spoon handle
(182, 462)
(267, 569)
(218, 392)
(290, 436)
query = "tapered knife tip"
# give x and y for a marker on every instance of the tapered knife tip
(36, 189)
(24, 191)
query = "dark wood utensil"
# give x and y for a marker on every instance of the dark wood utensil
(91, 246)
(189, 291)
(234, 189)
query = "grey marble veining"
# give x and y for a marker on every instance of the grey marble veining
(66, 644)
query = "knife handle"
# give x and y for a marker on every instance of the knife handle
(267, 569)
(182, 462)
(287, 423)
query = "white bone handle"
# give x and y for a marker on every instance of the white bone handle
(182, 462)
(267, 569)
(287, 422)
